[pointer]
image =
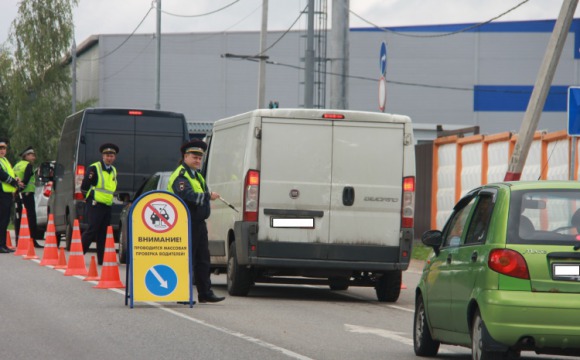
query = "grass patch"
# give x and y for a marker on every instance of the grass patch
(420, 251)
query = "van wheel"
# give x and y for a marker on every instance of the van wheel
(239, 277)
(338, 283)
(388, 286)
(68, 234)
(423, 343)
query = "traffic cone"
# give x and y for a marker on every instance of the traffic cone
(403, 286)
(76, 257)
(31, 254)
(50, 254)
(23, 235)
(9, 241)
(110, 271)
(93, 274)
(61, 260)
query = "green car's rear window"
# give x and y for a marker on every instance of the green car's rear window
(544, 216)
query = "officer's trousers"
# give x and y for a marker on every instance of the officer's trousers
(5, 208)
(98, 218)
(30, 205)
(200, 257)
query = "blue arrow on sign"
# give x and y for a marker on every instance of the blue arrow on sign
(383, 59)
(161, 280)
(574, 111)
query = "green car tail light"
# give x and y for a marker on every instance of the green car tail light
(508, 262)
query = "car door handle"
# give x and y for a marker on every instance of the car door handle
(348, 196)
(449, 259)
(474, 256)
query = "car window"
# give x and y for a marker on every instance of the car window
(456, 224)
(151, 184)
(477, 231)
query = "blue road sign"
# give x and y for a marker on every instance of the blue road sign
(161, 280)
(383, 59)
(574, 111)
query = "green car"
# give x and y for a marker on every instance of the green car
(504, 275)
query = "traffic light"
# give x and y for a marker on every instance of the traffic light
(273, 105)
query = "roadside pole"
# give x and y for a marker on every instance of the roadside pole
(540, 92)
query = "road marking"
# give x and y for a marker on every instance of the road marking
(379, 332)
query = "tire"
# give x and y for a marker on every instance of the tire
(239, 279)
(478, 348)
(338, 283)
(122, 246)
(388, 286)
(423, 342)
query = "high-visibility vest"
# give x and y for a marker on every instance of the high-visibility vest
(106, 185)
(197, 184)
(7, 188)
(19, 170)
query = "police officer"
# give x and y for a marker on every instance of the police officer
(9, 183)
(23, 170)
(99, 185)
(187, 183)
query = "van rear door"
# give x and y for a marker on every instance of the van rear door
(367, 179)
(295, 177)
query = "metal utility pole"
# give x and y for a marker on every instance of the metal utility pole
(540, 92)
(262, 66)
(309, 60)
(73, 54)
(158, 59)
(339, 44)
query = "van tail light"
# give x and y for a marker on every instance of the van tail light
(79, 176)
(508, 262)
(408, 203)
(251, 195)
(47, 189)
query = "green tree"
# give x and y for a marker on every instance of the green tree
(5, 67)
(39, 85)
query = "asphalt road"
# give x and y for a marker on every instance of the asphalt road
(46, 315)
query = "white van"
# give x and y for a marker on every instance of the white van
(324, 197)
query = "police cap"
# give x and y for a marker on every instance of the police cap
(195, 146)
(109, 148)
(28, 150)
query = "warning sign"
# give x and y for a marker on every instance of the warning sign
(159, 215)
(159, 239)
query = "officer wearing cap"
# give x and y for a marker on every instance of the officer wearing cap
(25, 198)
(188, 183)
(9, 183)
(99, 185)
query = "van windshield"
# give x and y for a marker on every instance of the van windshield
(544, 216)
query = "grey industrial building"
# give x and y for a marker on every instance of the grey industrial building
(457, 75)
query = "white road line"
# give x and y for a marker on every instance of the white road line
(380, 332)
(262, 343)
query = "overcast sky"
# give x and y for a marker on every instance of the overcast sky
(93, 17)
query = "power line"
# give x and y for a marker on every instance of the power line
(285, 32)
(438, 35)
(199, 15)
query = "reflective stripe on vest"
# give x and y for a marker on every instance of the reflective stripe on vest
(19, 170)
(197, 184)
(106, 185)
(7, 188)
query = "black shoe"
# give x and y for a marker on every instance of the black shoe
(5, 250)
(37, 245)
(211, 298)
(185, 302)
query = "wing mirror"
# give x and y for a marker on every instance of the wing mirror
(433, 238)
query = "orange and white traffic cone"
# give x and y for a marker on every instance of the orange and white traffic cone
(110, 271)
(23, 235)
(9, 241)
(31, 254)
(61, 260)
(50, 254)
(93, 274)
(76, 257)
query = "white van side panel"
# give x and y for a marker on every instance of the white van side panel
(368, 158)
(295, 157)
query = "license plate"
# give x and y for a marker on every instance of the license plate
(566, 271)
(307, 223)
